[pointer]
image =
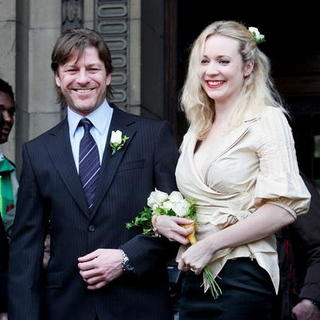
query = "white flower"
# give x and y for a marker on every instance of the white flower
(181, 208)
(254, 30)
(156, 198)
(167, 205)
(175, 196)
(116, 137)
(117, 141)
(258, 37)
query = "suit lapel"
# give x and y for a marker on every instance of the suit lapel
(60, 152)
(110, 163)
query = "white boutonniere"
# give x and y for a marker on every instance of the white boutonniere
(117, 141)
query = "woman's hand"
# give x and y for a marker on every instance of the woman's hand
(172, 228)
(306, 310)
(196, 257)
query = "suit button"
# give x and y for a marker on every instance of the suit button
(92, 228)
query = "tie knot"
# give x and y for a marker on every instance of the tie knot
(86, 124)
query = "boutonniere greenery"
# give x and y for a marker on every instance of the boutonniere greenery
(117, 141)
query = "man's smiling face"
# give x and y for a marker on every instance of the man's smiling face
(83, 80)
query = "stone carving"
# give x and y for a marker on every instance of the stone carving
(72, 14)
(111, 21)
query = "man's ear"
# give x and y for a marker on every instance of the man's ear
(108, 81)
(247, 69)
(57, 79)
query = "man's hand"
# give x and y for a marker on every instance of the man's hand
(3, 316)
(100, 267)
(306, 310)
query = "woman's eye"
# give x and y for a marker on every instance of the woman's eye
(224, 62)
(204, 61)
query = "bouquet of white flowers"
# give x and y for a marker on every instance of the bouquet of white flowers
(161, 203)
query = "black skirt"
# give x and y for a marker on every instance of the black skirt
(247, 294)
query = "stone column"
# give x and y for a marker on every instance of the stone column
(134, 57)
(88, 14)
(152, 58)
(38, 26)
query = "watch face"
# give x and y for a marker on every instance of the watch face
(127, 265)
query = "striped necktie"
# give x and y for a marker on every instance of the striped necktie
(89, 162)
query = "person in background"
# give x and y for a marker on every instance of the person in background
(299, 259)
(8, 180)
(238, 164)
(8, 189)
(89, 176)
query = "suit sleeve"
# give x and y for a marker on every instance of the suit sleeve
(146, 252)
(26, 248)
(307, 230)
(3, 268)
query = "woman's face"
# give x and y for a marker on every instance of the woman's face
(222, 70)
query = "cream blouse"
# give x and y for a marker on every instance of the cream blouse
(254, 164)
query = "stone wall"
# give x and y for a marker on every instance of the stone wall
(38, 26)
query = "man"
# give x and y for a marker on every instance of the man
(8, 182)
(8, 189)
(98, 269)
(299, 258)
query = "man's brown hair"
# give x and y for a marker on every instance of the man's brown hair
(75, 41)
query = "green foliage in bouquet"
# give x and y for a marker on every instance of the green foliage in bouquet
(161, 203)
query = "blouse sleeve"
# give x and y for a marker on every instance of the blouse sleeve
(279, 181)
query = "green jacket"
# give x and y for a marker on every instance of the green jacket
(8, 192)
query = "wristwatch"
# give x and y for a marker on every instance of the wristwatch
(126, 264)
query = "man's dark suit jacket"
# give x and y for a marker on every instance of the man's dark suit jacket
(50, 189)
(299, 257)
(3, 268)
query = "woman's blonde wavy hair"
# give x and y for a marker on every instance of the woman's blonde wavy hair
(257, 92)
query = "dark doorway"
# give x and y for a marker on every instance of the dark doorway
(294, 49)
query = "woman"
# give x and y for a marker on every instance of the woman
(238, 163)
